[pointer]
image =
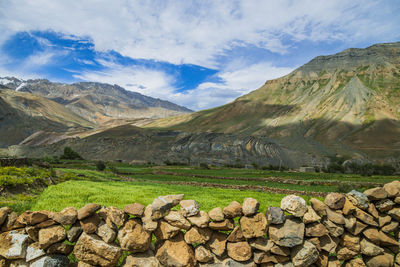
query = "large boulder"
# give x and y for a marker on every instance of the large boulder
(133, 237)
(295, 205)
(289, 234)
(13, 245)
(176, 253)
(254, 226)
(91, 249)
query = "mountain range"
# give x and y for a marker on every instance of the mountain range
(343, 104)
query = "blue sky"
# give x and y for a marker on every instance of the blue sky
(199, 54)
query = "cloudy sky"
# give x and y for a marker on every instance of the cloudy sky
(199, 54)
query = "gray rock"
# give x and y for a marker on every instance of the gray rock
(74, 232)
(189, 207)
(13, 245)
(51, 261)
(295, 205)
(289, 234)
(162, 204)
(358, 199)
(275, 215)
(33, 252)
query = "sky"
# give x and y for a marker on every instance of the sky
(199, 54)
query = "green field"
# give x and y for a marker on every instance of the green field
(79, 183)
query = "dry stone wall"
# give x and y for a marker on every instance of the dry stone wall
(353, 229)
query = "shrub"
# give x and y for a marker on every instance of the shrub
(204, 166)
(70, 154)
(335, 168)
(100, 165)
(113, 169)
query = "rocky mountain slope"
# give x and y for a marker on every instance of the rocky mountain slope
(97, 102)
(347, 103)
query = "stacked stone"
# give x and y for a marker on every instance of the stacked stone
(353, 229)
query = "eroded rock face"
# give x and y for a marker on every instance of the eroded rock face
(133, 237)
(176, 253)
(289, 234)
(93, 250)
(13, 245)
(294, 205)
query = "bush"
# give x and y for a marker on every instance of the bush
(70, 154)
(335, 168)
(100, 165)
(113, 169)
(204, 166)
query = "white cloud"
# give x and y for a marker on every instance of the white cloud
(182, 31)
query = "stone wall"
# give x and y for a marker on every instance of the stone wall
(353, 229)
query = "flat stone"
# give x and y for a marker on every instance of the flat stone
(91, 249)
(384, 219)
(379, 237)
(217, 243)
(133, 237)
(67, 216)
(289, 234)
(201, 219)
(165, 231)
(189, 208)
(254, 226)
(376, 193)
(13, 245)
(304, 255)
(395, 213)
(33, 251)
(318, 206)
(316, 230)
(135, 209)
(261, 243)
(383, 260)
(224, 225)
(275, 215)
(269, 259)
(106, 233)
(310, 216)
(358, 199)
(33, 217)
(335, 201)
(391, 227)
(216, 214)
(335, 216)
(162, 204)
(344, 253)
(202, 254)
(295, 205)
(250, 206)
(239, 251)
(176, 253)
(51, 235)
(175, 218)
(198, 235)
(234, 209)
(392, 189)
(88, 210)
(370, 249)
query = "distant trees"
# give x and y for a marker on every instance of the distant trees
(70, 154)
(100, 165)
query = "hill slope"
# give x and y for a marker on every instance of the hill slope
(343, 103)
(97, 102)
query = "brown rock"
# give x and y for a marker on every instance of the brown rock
(376, 193)
(146, 259)
(88, 210)
(225, 225)
(4, 211)
(32, 217)
(392, 189)
(383, 220)
(133, 237)
(250, 206)
(356, 262)
(304, 255)
(358, 199)
(316, 229)
(175, 218)
(369, 248)
(262, 244)
(217, 243)
(66, 216)
(373, 211)
(384, 205)
(163, 204)
(322, 259)
(391, 227)
(316, 242)
(295, 205)
(216, 214)
(74, 232)
(46, 223)
(106, 233)
(383, 260)
(289, 234)
(351, 242)
(348, 207)
(267, 259)
(176, 253)
(92, 250)
(345, 253)
(189, 208)
(234, 209)
(11, 222)
(60, 248)
(166, 231)
(283, 251)
(236, 235)
(202, 254)
(148, 223)
(335, 201)
(328, 243)
(33, 233)
(115, 215)
(201, 219)
(198, 235)
(89, 224)
(395, 213)
(378, 237)
(397, 200)
(349, 222)
(335, 216)
(254, 226)
(318, 206)
(240, 251)
(51, 235)
(334, 229)
(135, 209)
(358, 228)
(310, 216)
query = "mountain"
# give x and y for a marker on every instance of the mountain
(347, 103)
(24, 114)
(97, 102)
